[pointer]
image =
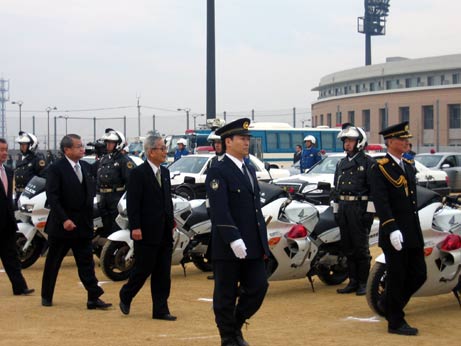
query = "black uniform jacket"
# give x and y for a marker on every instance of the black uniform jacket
(7, 220)
(235, 211)
(149, 206)
(70, 199)
(32, 164)
(394, 194)
(352, 177)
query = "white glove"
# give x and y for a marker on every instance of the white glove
(396, 240)
(239, 248)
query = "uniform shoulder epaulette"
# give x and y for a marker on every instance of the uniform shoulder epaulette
(408, 161)
(383, 161)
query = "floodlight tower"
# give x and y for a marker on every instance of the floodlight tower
(373, 23)
(4, 98)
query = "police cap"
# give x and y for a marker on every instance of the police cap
(397, 131)
(237, 127)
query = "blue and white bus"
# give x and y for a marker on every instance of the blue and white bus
(275, 142)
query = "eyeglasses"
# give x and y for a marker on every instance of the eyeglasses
(160, 148)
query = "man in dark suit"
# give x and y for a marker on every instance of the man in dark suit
(239, 235)
(394, 190)
(70, 189)
(8, 227)
(150, 213)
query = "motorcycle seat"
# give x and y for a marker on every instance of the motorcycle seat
(326, 222)
(426, 197)
(199, 214)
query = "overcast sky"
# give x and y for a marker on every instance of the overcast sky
(94, 54)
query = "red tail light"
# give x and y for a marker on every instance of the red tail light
(297, 231)
(428, 251)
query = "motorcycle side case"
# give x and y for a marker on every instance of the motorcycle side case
(180, 241)
(303, 213)
(447, 220)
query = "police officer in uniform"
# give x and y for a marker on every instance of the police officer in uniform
(216, 142)
(353, 206)
(181, 149)
(394, 190)
(31, 162)
(239, 235)
(311, 155)
(112, 177)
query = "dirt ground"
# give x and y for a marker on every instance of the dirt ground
(292, 314)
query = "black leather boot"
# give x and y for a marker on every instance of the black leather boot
(361, 290)
(351, 287)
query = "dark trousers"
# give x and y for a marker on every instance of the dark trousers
(82, 251)
(152, 260)
(230, 314)
(11, 263)
(108, 210)
(406, 273)
(354, 225)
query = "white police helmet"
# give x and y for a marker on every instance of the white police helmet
(182, 141)
(114, 136)
(28, 138)
(213, 137)
(310, 138)
(350, 131)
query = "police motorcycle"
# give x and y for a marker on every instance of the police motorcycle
(32, 213)
(441, 226)
(191, 238)
(303, 237)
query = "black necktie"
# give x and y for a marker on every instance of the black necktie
(248, 176)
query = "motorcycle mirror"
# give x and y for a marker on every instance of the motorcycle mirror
(321, 185)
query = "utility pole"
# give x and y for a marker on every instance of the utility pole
(139, 118)
(210, 63)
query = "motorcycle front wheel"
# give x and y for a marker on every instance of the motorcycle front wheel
(113, 263)
(376, 286)
(30, 255)
(202, 263)
(333, 275)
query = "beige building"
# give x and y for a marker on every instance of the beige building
(426, 92)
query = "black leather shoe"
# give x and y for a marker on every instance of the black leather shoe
(165, 317)
(240, 340)
(97, 304)
(124, 308)
(350, 288)
(361, 290)
(46, 302)
(24, 292)
(404, 329)
(229, 341)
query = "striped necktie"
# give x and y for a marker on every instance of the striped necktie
(158, 177)
(4, 178)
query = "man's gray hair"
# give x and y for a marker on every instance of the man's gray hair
(151, 141)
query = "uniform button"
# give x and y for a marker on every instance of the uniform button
(259, 224)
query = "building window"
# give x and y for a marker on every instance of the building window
(455, 78)
(404, 114)
(383, 120)
(407, 82)
(339, 119)
(428, 117)
(321, 119)
(345, 90)
(366, 119)
(351, 116)
(418, 81)
(388, 84)
(372, 86)
(329, 119)
(430, 80)
(454, 116)
(357, 88)
(442, 79)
